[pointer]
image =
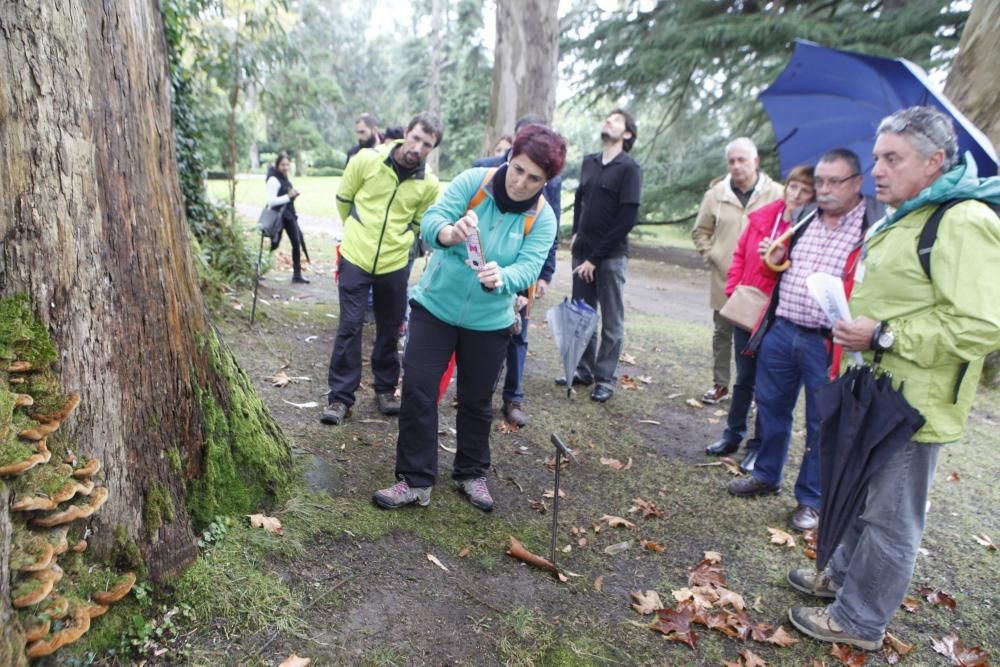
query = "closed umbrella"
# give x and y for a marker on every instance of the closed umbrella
(572, 323)
(827, 98)
(863, 423)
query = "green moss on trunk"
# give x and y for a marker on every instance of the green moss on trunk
(22, 336)
(246, 459)
(159, 508)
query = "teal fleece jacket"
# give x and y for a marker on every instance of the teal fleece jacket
(449, 289)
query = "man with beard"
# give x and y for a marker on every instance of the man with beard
(382, 197)
(605, 210)
(366, 130)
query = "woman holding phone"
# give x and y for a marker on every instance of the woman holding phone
(464, 305)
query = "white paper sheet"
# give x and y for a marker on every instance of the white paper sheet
(828, 290)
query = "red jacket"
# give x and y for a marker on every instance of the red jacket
(747, 267)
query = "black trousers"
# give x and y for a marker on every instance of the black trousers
(290, 225)
(479, 355)
(389, 304)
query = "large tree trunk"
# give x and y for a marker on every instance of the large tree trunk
(437, 51)
(525, 63)
(974, 88)
(92, 228)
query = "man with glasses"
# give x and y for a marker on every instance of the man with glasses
(793, 340)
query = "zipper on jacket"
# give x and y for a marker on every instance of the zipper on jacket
(385, 223)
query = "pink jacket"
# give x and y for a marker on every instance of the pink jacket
(747, 267)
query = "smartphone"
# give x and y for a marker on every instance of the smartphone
(475, 250)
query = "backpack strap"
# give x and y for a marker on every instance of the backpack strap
(928, 235)
(480, 195)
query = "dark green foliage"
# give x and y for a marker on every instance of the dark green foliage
(708, 59)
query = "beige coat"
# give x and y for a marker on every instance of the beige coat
(721, 221)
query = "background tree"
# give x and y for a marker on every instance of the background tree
(973, 87)
(525, 64)
(93, 224)
(288, 100)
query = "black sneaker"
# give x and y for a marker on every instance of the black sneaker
(335, 413)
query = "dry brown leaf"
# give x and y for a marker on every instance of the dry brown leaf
(504, 427)
(985, 540)
(846, 655)
(954, 477)
(627, 358)
(650, 545)
(614, 464)
(550, 493)
(732, 467)
(464, 552)
(615, 549)
(713, 557)
(646, 603)
(898, 646)
(782, 638)
(779, 536)
(268, 523)
(951, 646)
(648, 508)
(518, 551)
(628, 383)
(749, 659)
(694, 403)
(701, 597)
(279, 379)
(707, 573)
(936, 597)
(675, 624)
(731, 598)
(616, 521)
(295, 661)
(645, 379)
(599, 583)
(538, 505)
(434, 559)
(911, 604)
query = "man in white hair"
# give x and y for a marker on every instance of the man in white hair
(721, 219)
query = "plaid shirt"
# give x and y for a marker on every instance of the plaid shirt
(819, 250)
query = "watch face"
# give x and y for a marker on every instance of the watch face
(886, 339)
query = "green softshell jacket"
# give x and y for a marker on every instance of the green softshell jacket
(449, 289)
(946, 321)
(381, 215)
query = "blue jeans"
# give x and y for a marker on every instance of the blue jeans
(517, 351)
(790, 357)
(874, 562)
(739, 408)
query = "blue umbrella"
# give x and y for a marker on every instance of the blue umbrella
(826, 98)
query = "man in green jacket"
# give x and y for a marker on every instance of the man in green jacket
(382, 196)
(933, 327)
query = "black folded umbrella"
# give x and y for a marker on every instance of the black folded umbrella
(863, 423)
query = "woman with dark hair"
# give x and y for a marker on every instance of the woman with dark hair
(748, 269)
(491, 232)
(281, 194)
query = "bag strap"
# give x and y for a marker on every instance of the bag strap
(928, 235)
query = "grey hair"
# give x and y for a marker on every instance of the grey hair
(927, 129)
(742, 142)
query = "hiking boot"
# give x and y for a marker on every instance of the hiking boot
(335, 413)
(818, 624)
(400, 494)
(747, 487)
(387, 403)
(477, 492)
(722, 448)
(812, 582)
(602, 393)
(513, 413)
(715, 395)
(299, 278)
(804, 518)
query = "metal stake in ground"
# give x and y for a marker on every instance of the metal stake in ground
(256, 282)
(561, 450)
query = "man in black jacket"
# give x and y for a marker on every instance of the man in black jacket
(605, 210)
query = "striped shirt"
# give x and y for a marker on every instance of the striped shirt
(819, 250)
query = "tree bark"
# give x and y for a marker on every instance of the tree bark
(525, 65)
(437, 49)
(92, 227)
(973, 87)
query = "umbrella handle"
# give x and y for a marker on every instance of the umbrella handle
(778, 268)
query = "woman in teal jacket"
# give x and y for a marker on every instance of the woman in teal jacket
(466, 311)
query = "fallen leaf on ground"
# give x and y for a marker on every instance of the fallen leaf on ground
(566, 549)
(782, 638)
(731, 598)
(628, 383)
(627, 358)
(846, 655)
(747, 658)
(645, 603)
(985, 540)
(732, 467)
(712, 557)
(720, 413)
(951, 647)
(650, 545)
(599, 583)
(694, 403)
(434, 559)
(911, 604)
(673, 396)
(550, 493)
(675, 624)
(268, 523)
(551, 462)
(645, 379)
(707, 573)
(504, 427)
(518, 551)
(954, 477)
(649, 421)
(538, 505)
(279, 379)
(310, 404)
(779, 536)
(702, 597)
(712, 420)
(464, 552)
(936, 597)
(614, 464)
(893, 648)
(295, 661)
(616, 521)
(618, 548)
(648, 508)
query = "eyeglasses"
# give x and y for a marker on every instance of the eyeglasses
(833, 182)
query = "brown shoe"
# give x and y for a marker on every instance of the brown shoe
(818, 624)
(747, 487)
(387, 403)
(513, 413)
(804, 518)
(812, 582)
(715, 395)
(335, 413)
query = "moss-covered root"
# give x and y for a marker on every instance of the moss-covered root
(246, 459)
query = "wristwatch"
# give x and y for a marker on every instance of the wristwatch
(883, 337)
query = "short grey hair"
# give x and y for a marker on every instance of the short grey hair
(742, 142)
(927, 129)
